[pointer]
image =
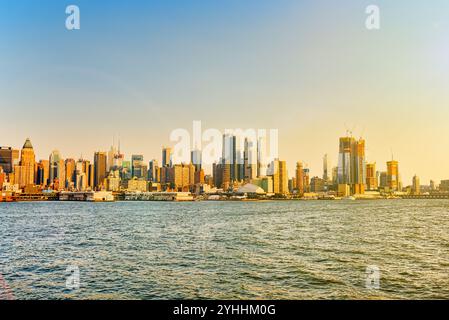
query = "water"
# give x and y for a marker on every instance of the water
(226, 250)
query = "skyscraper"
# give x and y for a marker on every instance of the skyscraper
(166, 157)
(6, 161)
(137, 166)
(100, 163)
(416, 188)
(81, 175)
(91, 175)
(196, 159)
(299, 178)
(283, 177)
(56, 168)
(383, 183)
(306, 179)
(432, 185)
(325, 168)
(70, 173)
(229, 156)
(27, 162)
(351, 164)
(112, 153)
(226, 176)
(359, 167)
(152, 170)
(261, 157)
(371, 177)
(278, 170)
(43, 171)
(250, 159)
(393, 175)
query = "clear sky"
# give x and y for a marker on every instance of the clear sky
(140, 69)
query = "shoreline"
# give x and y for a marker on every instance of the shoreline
(228, 200)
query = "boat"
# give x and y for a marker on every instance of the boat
(7, 197)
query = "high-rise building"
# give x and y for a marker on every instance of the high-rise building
(70, 173)
(432, 185)
(81, 175)
(344, 161)
(359, 167)
(217, 174)
(112, 181)
(393, 175)
(164, 175)
(126, 172)
(144, 170)
(306, 179)
(250, 159)
(240, 164)
(416, 188)
(229, 156)
(383, 183)
(27, 162)
(195, 159)
(299, 178)
(111, 156)
(91, 176)
(226, 176)
(262, 157)
(199, 177)
(152, 171)
(278, 170)
(100, 163)
(291, 184)
(351, 164)
(57, 170)
(283, 177)
(6, 159)
(335, 176)
(444, 185)
(325, 168)
(43, 171)
(137, 166)
(15, 157)
(317, 184)
(183, 176)
(371, 177)
(166, 157)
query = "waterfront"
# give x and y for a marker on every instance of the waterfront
(226, 250)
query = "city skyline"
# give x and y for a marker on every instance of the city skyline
(357, 171)
(294, 66)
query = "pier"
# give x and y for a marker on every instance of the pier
(426, 196)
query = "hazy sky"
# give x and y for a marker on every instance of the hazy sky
(140, 69)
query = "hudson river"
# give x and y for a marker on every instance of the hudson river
(225, 250)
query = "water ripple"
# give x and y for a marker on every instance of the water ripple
(226, 250)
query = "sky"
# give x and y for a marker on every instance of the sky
(311, 69)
